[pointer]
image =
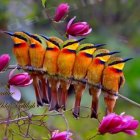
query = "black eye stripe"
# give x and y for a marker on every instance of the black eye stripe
(49, 48)
(116, 62)
(71, 51)
(87, 47)
(53, 42)
(102, 54)
(88, 55)
(20, 37)
(17, 45)
(73, 42)
(36, 38)
(69, 43)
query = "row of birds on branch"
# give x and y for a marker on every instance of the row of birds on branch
(69, 58)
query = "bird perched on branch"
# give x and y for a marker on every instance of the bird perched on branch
(21, 47)
(65, 64)
(112, 80)
(82, 61)
(94, 76)
(37, 53)
(50, 66)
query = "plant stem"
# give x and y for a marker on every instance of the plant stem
(93, 136)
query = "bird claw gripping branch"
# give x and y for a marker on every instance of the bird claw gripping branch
(69, 60)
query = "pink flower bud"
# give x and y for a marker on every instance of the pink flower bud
(21, 79)
(61, 11)
(114, 123)
(78, 28)
(4, 60)
(61, 136)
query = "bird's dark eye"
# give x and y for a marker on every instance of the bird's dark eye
(32, 45)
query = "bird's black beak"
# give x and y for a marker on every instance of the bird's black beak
(104, 54)
(121, 61)
(111, 53)
(92, 46)
(126, 59)
(9, 33)
(47, 38)
(99, 45)
(26, 33)
(79, 40)
(52, 41)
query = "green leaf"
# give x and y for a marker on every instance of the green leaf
(44, 2)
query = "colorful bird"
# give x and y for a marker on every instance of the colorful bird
(37, 53)
(94, 75)
(21, 47)
(112, 80)
(50, 66)
(82, 61)
(65, 64)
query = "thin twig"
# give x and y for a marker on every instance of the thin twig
(15, 120)
(93, 136)
(129, 100)
(67, 125)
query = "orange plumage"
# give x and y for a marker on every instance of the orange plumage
(65, 64)
(50, 65)
(82, 62)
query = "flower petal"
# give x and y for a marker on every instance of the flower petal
(131, 125)
(65, 135)
(16, 94)
(105, 122)
(11, 73)
(70, 22)
(130, 132)
(89, 31)
(4, 61)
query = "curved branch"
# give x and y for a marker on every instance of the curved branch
(84, 81)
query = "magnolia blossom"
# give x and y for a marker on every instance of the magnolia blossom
(4, 60)
(56, 135)
(114, 123)
(21, 80)
(61, 11)
(78, 28)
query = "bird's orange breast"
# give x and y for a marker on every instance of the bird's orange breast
(95, 71)
(21, 53)
(50, 61)
(81, 64)
(111, 79)
(37, 56)
(65, 62)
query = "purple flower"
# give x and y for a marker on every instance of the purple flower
(78, 28)
(61, 11)
(56, 135)
(4, 60)
(114, 123)
(21, 79)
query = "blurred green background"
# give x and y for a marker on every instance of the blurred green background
(115, 23)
